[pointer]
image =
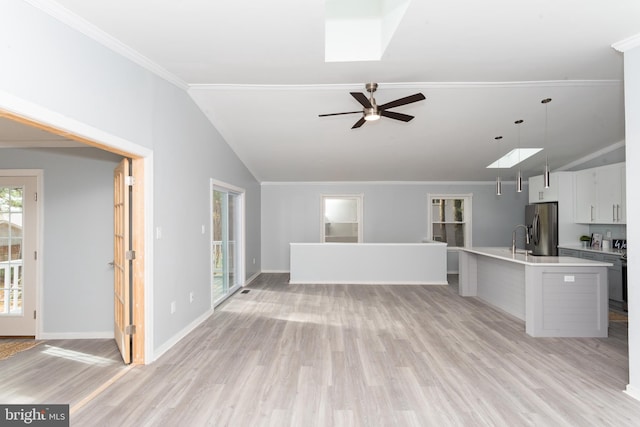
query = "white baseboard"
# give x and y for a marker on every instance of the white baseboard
(189, 328)
(177, 337)
(252, 278)
(341, 282)
(633, 391)
(75, 335)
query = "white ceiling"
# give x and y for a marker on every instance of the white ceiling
(257, 71)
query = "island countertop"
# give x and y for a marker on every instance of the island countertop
(521, 257)
(555, 296)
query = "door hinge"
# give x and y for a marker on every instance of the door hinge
(130, 329)
(129, 180)
(35, 255)
(129, 255)
(35, 197)
(34, 314)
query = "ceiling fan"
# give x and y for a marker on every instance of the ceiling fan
(372, 111)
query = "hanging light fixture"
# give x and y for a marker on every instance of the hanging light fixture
(519, 176)
(547, 172)
(498, 180)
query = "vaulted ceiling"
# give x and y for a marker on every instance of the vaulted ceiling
(258, 71)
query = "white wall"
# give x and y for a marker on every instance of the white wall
(632, 131)
(63, 74)
(393, 213)
(77, 288)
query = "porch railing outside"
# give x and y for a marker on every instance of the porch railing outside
(11, 290)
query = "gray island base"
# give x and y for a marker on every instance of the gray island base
(555, 296)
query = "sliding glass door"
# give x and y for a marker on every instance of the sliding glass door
(227, 213)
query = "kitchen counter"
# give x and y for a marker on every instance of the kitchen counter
(521, 257)
(555, 296)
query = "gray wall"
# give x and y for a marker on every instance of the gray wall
(77, 288)
(393, 213)
(47, 64)
(632, 130)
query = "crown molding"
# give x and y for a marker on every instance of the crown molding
(378, 183)
(83, 26)
(592, 156)
(627, 44)
(409, 85)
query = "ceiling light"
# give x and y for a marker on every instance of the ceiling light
(371, 114)
(514, 157)
(547, 172)
(498, 180)
(519, 177)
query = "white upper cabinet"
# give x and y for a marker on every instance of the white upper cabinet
(585, 196)
(600, 195)
(539, 194)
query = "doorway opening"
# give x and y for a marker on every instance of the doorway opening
(137, 301)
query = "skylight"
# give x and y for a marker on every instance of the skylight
(514, 157)
(360, 30)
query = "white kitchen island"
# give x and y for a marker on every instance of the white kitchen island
(555, 296)
(369, 263)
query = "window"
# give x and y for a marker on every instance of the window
(341, 219)
(450, 219)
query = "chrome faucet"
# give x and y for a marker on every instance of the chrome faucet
(513, 236)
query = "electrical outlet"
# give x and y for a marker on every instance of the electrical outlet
(254, 260)
(190, 296)
(173, 307)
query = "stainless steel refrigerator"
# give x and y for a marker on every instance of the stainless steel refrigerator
(541, 220)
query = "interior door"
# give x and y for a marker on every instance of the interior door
(121, 261)
(18, 242)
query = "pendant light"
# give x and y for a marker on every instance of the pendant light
(519, 176)
(547, 172)
(498, 180)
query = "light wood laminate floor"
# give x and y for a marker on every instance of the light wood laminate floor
(358, 355)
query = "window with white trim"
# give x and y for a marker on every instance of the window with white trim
(450, 219)
(341, 219)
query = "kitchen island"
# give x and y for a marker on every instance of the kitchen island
(555, 296)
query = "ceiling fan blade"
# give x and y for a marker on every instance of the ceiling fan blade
(402, 101)
(358, 123)
(362, 99)
(397, 116)
(339, 114)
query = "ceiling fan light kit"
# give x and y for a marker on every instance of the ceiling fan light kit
(372, 111)
(370, 114)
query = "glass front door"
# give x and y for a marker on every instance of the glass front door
(17, 270)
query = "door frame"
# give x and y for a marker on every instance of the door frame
(38, 174)
(142, 161)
